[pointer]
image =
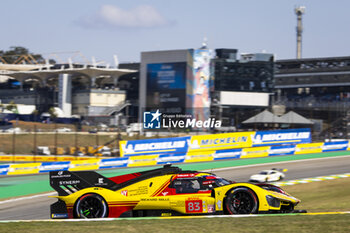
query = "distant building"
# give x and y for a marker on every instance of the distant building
(318, 88)
(84, 90)
(176, 81)
(242, 87)
(206, 83)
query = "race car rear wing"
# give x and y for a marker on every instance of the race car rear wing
(67, 182)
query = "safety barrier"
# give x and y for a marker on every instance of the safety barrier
(210, 142)
(190, 157)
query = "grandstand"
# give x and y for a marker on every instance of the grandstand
(318, 88)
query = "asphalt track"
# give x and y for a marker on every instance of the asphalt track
(37, 206)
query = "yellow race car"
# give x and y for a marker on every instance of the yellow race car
(167, 191)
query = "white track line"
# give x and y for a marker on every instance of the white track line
(27, 197)
(175, 217)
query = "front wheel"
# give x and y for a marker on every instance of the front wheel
(241, 201)
(91, 206)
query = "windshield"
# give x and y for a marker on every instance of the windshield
(213, 182)
(221, 182)
(263, 173)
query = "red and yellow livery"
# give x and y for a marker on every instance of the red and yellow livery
(166, 191)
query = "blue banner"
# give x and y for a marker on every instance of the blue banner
(114, 163)
(171, 158)
(54, 166)
(154, 146)
(335, 146)
(4, 169)
(282, 150)
(286, 136)
(227, 154)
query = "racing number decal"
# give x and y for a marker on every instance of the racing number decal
(194, 206)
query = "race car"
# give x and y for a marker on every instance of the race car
(166, 191)
(268, 175)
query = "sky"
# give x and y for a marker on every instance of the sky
(104, 28)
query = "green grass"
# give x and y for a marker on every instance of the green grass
(291, 223)
(323, 196)
(330, 195)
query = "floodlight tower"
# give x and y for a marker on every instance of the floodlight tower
(299, 11)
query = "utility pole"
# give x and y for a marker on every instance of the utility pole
(299, 11)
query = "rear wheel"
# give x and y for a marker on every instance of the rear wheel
(91, 206)
(241, 201)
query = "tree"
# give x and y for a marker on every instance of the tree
(12, 107)
(17, 54)
(52, 112)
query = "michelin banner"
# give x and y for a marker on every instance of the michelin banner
(214, 142)
(287, 136)
(154, 146)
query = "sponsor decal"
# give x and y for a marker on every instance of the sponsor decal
(124, 193)
(218, 203)
(208, 182)
(186, 175)
(166, 214)
(69, 182)
(154, 199)
(59, 216)
(100, 181)
(211, 208)
(194, 206)
(61, 174)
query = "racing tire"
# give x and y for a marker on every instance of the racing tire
(241, 201)
(91, 205)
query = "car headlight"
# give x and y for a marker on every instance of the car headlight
(274, 202)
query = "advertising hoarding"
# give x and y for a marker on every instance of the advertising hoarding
(286, 136)
(166, 85)
(154, 146)
(214, 142)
